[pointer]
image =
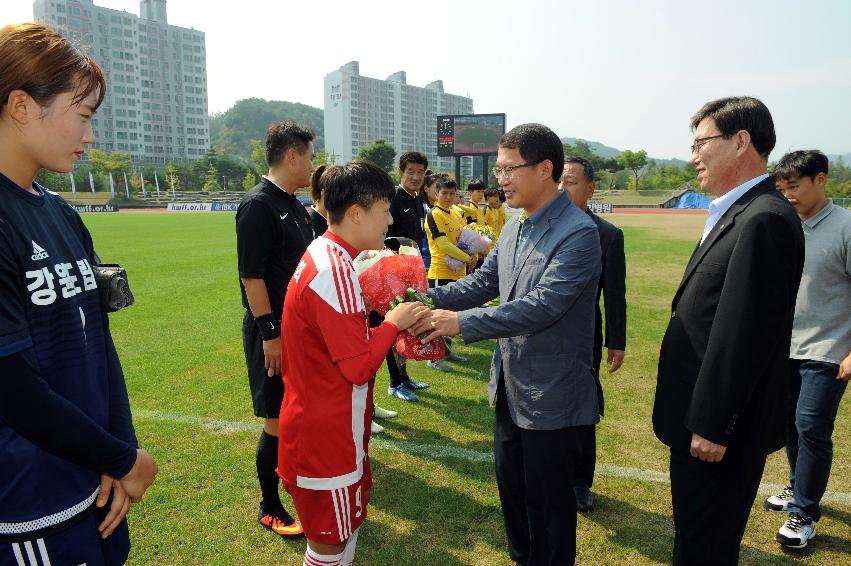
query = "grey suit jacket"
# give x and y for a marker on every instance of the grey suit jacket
(545, 321)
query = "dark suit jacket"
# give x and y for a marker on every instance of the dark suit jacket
(723, 366)
(612, 286)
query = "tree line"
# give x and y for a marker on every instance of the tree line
(215, 171)
(631, 170)
(238, 159)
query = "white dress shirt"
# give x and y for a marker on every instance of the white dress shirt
(722, 204)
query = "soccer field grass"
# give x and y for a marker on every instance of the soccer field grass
(435, 500)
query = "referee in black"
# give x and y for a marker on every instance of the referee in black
(273, 231)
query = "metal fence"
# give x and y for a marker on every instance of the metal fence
(846, 202)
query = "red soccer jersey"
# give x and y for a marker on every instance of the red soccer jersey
(326, 415)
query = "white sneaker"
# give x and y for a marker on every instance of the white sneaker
(796, 531)
(376, 428)
(781, 501)
(380, 413)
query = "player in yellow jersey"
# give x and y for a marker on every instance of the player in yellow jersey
(494, 213)
(459, 209)
(443, 226)
(475, 211)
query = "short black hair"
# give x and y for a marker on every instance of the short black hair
(357, 182)
(412, 157)
(491, 193)
(282, 136)
(444, 181)
(536, 143)
(803, 163)
(476, 185)
(587, 168)
(736, 113)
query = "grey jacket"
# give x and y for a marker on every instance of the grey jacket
(545, 321)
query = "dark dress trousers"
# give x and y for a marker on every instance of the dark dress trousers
(612, 286)
(723, 369)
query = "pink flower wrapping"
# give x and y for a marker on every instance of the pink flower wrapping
(470, 242)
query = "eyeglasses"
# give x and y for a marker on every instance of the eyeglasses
(700, 142)
(508, 171)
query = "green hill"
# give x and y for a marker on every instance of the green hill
(610, 152)
(231, 132)
(596, 147)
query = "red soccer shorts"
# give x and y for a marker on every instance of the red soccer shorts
(330, 517)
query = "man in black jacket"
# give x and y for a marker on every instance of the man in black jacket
(408, 214)
(578, 181)
(407, 205)
(723, 367)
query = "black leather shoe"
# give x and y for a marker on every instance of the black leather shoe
(584, 499)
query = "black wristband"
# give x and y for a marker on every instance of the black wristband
(270, 327)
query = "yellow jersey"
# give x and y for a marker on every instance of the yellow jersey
(495, 220)
(459, 211)
(442, 230)
(473, 213)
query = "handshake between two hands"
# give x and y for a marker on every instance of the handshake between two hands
(422, 321)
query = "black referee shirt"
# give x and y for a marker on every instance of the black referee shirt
(273, 231)
(408, 216)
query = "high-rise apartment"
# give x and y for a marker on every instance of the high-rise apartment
(156, 103)
(359, 110)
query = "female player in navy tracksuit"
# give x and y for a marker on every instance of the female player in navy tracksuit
(70, 465)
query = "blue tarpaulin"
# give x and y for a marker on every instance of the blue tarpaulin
(690, 199)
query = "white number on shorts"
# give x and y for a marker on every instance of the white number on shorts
(358, 502)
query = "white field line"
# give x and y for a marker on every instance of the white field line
(446, 451)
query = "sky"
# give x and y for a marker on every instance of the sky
(625, 73)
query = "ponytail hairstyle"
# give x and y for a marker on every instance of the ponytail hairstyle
(315, 185)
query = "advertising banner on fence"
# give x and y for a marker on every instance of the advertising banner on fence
(225, 206)
(203, 206)
(95, 207)
(190, 206)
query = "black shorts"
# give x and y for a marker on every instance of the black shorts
(267, 393)
(432, 283)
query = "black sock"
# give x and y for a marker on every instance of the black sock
(396, 377)
(267, 461)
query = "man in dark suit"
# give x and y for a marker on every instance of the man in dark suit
(545, 268)
(578, 181)
(722, 383)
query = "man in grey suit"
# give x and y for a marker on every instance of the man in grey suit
(545, 269)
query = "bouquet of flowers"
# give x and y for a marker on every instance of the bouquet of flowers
(470, 241)
(482, 230)
(387, 279)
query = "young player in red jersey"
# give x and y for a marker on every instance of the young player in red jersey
(329, 361)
